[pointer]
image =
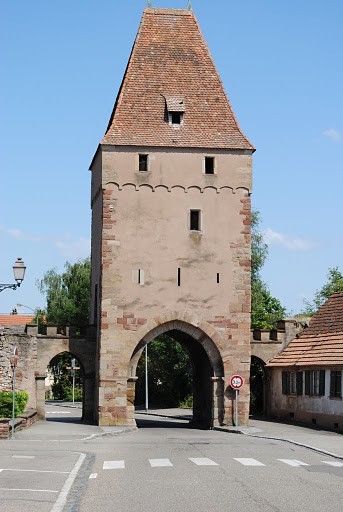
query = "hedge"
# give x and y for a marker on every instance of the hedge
(6, 398)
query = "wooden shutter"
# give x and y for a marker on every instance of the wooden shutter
(332, 383)
(299, 383)
(322, 382)
(284, 383)
(307, 382)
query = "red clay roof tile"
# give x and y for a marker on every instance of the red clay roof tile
(16, 319)
(170, 59)
(321, 344)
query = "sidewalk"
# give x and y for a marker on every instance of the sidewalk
(322, 441)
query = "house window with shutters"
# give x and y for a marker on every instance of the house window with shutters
(292, 383)
(336, 384)
(315, 382)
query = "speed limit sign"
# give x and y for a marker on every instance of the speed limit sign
(236, 381)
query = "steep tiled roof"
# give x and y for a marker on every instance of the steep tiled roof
(170, 59)
(16, 319)
(321, 344)
(329, 318)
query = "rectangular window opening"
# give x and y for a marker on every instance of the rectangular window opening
(209, 164)
(179, 276)
(176, 117)
(143, 163)
(139, 276)
(217, 277)
(195, 220)
(336, 384)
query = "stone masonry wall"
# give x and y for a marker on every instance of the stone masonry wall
(27, 349)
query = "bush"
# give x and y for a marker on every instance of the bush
(6, 398)
(63, 391)
(187, 403)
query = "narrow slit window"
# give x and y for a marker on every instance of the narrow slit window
(195, 224)
(209, 164)
(217, 277)
(139, 276)
(143, 163)
(179, 276)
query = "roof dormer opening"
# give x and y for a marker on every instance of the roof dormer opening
(175, 109)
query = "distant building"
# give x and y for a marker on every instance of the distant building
(306, 378)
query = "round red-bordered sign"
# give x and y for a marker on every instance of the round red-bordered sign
(236, 381)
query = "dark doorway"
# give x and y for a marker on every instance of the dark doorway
(257, 387)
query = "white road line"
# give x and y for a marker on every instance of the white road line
(202, 461)
(63, 495)
(335, 464)
(159, 463)
(23, 456)
(93, 475)
(27, 490)
(57, 412)
(293, 462)
(249, 462)
(35, 471)
(113, 464)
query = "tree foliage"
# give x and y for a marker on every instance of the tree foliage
(68, 294)
(265, 309)
(60, 369)
(334, 284)
(169, 373)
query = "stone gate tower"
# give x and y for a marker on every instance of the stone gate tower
(171, 183)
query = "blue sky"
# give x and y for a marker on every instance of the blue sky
(281, 65)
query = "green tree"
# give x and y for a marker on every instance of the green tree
(265, 309)
(59, 368)
(68, 294)
(170, 373)
(334, 284)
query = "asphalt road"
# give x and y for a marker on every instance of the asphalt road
(164, 466)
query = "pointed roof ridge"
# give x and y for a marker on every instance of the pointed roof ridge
(170, 58)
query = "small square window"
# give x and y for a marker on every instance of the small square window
(195, 224)
(209, 164)
(143, 163)
(176, 117)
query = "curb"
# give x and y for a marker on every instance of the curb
(234, 430)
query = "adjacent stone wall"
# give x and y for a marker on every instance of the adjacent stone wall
(27, 348)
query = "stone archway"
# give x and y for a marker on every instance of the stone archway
(208, 370)
(84, 352)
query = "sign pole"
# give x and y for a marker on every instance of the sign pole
(236, 422)
(236, 383)
(146, 379)
(14, 363)
(13, 399)
(73, 376)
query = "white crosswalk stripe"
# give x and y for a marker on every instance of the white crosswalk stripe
(114, 464)
(202, 461)
(249, 462)
(160, 463)
(293, 462)
(205, 461)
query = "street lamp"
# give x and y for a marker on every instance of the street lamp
(35, 311)
(19, 273)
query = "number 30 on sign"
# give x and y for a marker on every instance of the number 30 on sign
(236, 381)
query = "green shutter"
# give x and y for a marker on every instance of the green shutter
(332, 383)
(307, 382)
(284, 383)
(299, 383)
(322, 383)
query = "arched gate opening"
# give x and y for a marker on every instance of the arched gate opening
(257, 387)
(207, 369)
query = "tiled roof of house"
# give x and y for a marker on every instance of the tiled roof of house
(320, 344)
(16, 319)
(170, 60)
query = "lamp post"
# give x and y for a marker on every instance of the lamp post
(35, 311)
(19, 273)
